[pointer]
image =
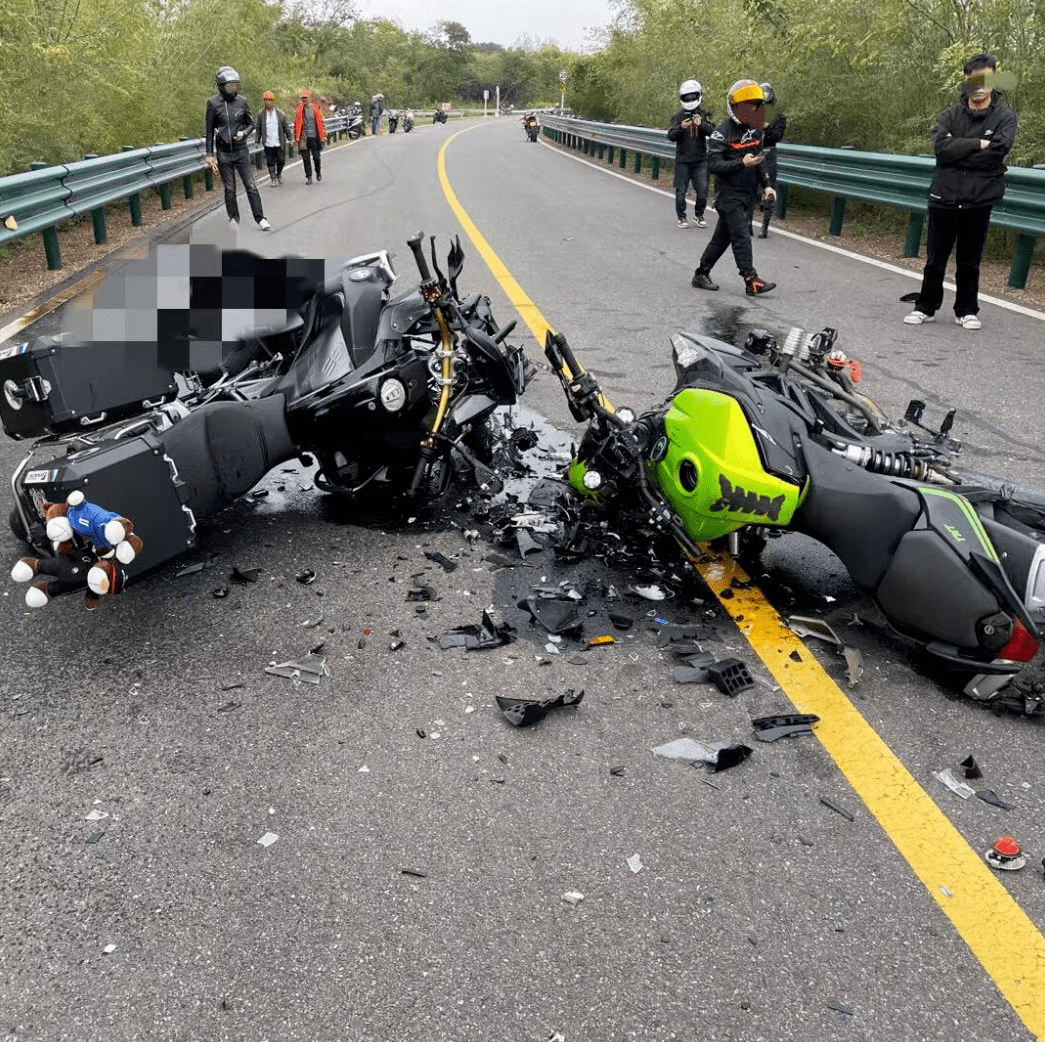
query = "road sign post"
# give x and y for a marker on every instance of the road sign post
(562, 91)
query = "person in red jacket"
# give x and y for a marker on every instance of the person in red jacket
(309, 134)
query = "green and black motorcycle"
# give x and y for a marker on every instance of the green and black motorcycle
(777, 436)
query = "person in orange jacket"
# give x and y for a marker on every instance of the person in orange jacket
(309, 134)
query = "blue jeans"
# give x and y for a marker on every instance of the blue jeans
(697, 175)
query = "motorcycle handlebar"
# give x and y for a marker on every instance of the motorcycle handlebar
(414, 242)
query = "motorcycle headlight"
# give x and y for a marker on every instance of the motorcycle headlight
(592, 480)
(393, 395)
(626, 415)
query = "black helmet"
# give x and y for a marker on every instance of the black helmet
(227, 79)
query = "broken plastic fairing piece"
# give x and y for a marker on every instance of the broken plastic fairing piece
(730, 676)
(521, 712)
(770, 728)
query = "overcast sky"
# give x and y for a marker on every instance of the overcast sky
(564, 22)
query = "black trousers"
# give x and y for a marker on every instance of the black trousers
(965, 232)
(730, 230)
(229, 163)
(697, 175)
(275, 159)
(310, 154)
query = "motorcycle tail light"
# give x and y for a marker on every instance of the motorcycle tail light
(1022, 646)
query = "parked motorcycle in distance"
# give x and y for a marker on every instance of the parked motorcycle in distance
(408, 120)
(374, 388)
(356, 126)
(393, 120)
(530, 126)
(774, 436)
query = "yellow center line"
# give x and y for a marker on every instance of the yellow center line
(998, 932)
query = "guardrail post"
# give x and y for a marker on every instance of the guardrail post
(1021, 261)
(602, 151)
(98, 214)
(134, 201)
(49, 235)
(783, 197)
(609, 154)
(655, 167)
(623, 158)
(638, 163)
(914, 235)
(165, 195)
(837, 215)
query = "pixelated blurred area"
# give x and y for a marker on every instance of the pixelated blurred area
(194, 304)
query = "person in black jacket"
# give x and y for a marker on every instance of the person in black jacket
(229, 124)
(971, 140)
(735, 158)
(689, 129)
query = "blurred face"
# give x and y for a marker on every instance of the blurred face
(231, 88)
(303, 97)
(979, 82)
(269, 104)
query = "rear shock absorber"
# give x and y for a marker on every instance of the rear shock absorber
(893, 464)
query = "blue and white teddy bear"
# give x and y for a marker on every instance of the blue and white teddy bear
(90, 545)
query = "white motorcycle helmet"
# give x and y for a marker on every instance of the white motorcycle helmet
(690, 94)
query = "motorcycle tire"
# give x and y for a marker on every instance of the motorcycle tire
(354, 134)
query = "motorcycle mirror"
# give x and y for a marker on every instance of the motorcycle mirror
(435, 264)
(455, 263)
(687, 352)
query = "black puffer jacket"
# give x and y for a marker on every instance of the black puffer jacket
(736, 185)
(968, 175)
(226, 119)
(690, 143)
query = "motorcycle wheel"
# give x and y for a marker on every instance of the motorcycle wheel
(354, 134)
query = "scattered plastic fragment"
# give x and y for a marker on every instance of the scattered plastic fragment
(95, 837)
(635, 863)
(651, 593)
(810, 626)
(730, 676)
(97, 815)
(310, 669)
(307, 577)
(959, 788)
(1006, 855)
(556, 1036)
(268, 839)
(991, 797)
(109, 949)
(598, 641)
(190, 569)
(363, 770)
(523, 712)
(838, 810)
(834, 1004)
(526, 542)
(556, 614)
(718, 755)
(501, 560)
(972, 768)
(572, 897)
(695, 669)
(854, 661)
(311, 624)
(442, 560)
(618, 771)
(490, 633)
(620, 621)
(770, 728)
(218, 594)
(415, 872)
(421, 593)
(228, 707)
(245, 575)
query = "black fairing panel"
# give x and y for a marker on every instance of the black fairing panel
(861, 517)
(224, 449)
(929, 590)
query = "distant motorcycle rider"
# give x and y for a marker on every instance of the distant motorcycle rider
(735, 157)
(689, 129)
(228, 125)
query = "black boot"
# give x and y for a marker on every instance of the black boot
(702, 280)
(272, 174)
(754, 286)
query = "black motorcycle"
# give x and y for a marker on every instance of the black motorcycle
(408, 121)
(393, 121)
(373, 388)
(439, 116)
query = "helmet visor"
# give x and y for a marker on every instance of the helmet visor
(694, 96)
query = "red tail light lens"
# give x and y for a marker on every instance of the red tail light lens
(1022, 647)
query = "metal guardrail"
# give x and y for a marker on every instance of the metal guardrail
(45, 196)
(878, 177)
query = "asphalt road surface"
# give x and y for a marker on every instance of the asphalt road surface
(415, 890)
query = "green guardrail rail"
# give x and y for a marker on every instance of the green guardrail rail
(884, 178)
(45, 196)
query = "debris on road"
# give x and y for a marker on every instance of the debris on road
(635, 863)
(991, 797)
(959, 788)
(840, 1007)
(490, 633)
(442, 560)
(190, 569)
(310, 669)
(307, 577)
(770, 728)
(810, 626)
(523, 712)
(97, 815)
(243, 576)
(268, 839)
(572, 897)
(1006, 855)
(972, 768)
(838, 810)
(854, 661)
(415, 872)
(731, 676)
(718, 755)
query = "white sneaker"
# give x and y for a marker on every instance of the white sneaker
(234, 223)
(682, 223)
(916, 318)
(968, 321)
(701, 223)
(264, 225)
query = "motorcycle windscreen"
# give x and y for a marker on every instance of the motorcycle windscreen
(709, 468)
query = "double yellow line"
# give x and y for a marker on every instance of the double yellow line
(998, 932)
